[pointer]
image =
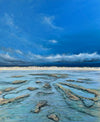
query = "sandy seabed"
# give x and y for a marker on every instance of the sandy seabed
(50, 68)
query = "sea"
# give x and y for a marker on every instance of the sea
(71, 95)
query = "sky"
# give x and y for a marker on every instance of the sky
(35, 32)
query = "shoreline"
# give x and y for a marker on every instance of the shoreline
(50, 68)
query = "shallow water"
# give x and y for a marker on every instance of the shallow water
(66, 109)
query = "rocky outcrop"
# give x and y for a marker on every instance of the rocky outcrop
(47, 86)
(85, 79)
(81, 88)
(41, 104)
(68, 92)
(79, 81)
(5, 101)
(44, 93)
(32, 88)
(9, 89)
(38, 81)
(19, 81)
(69, 80)
(52, 75)
(53, 117)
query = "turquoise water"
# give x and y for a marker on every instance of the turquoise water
(66, 109)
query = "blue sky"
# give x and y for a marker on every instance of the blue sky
(49, 31)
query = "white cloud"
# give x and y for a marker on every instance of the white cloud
(82, 57)
(6, 56)
(19, 52)
(53, 41)
(33, 59)
(11, 50)
(49, 20)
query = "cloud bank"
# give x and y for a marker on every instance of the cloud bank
(19, 58)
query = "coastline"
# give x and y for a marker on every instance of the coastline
(50, 68)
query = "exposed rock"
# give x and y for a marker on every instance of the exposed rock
(32, 88)
(34, 74)
(38, 82)
(19, 81)
(44, 93)
(47, 85)
(5, 101)
(63, 75)
(77, 105)
(95, 99)
(81, 88)
(52, 75)
(79, 81)
(8, 89)
(0, 92)
(22, 96)
(58, 75)
(70, 80)
(17, 76)
(68, 93)
(86, 79)
(37, 110)
(41, 104)
(53, 117)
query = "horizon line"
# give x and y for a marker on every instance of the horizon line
(49, 68)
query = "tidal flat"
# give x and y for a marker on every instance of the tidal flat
(49, 95)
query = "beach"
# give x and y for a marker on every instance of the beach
(50, 68)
